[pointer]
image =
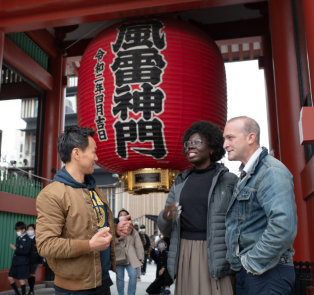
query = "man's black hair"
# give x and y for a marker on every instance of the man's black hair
(71, 138)
(20, 225)
(143, 226)
(211, 133)
(32, 225)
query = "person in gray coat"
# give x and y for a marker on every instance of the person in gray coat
(194, 216)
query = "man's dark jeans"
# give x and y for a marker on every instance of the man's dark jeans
(145, 263)
(276, 281)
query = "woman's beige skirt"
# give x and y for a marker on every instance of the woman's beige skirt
(193, 272)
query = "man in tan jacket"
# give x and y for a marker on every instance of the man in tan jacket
(75, 224)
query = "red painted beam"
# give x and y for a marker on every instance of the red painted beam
(1, 53)
(18, 59)
(239, 40)
(18, 90)
(307, 176)
(17, 204)
(22, 17)
(45, 41)
(234, 30)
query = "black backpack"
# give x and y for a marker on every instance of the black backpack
(33, 254)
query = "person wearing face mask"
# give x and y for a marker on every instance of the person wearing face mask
(163, 280)
(146, 247)
(194, 216)
(135, 257)
(35, 259)
(20, 262)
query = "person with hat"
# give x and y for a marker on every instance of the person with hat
(147, 247)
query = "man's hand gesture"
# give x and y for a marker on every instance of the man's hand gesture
(124, 227)
(100, 241)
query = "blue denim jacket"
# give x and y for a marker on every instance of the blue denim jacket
(261, 220)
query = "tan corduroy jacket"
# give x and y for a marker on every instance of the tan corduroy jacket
(65, 224)
(133, 248)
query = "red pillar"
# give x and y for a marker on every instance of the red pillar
(1, 53)
(270, 96)
(54, 116)
(308, 9)
(288, 110)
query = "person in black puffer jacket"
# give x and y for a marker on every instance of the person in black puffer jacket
(194, 216)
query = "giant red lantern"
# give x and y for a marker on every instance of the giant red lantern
(141, 84)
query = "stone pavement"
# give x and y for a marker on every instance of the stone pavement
(140, 290)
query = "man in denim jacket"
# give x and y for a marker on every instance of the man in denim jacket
(261, 219)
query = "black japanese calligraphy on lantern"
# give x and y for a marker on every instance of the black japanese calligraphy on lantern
(139, 61)
(99, 95)
(149, 101)
(143, 131)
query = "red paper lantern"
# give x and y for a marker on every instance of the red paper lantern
(142, 83)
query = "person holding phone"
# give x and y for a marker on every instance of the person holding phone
(135, 257)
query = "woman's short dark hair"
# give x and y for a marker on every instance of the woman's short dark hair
(123, 210)
(31, 225)
(71, 138)
(212, 134)
(20, 225)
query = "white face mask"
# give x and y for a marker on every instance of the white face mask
(30, 232)
(142, 230)
(161, 246)
(121, 217)
(19, 233)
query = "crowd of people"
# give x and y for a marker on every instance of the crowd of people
(228, 234)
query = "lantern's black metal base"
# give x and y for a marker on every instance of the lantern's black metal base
(303, 278)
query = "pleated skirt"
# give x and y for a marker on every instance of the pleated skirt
(193, 273)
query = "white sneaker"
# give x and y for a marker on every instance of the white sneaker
(138, 279)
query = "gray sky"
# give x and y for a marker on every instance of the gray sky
(246, 97)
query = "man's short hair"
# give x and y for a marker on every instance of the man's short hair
(20, 225)
(250, 126)
(71, 138)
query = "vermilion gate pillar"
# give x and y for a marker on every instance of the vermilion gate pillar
(288, 110)
(54, 116)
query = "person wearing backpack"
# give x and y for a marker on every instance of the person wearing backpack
(35, 259)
